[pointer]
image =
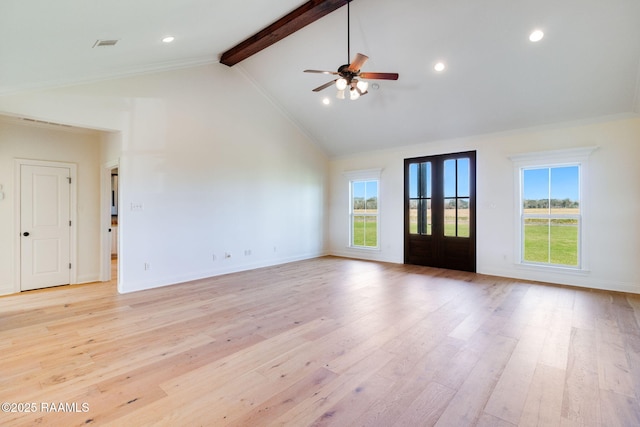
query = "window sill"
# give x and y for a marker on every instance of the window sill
(364, 248)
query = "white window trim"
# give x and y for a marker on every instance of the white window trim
(555, 158)
(363, 175)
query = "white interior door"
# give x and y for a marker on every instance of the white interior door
(45, 226)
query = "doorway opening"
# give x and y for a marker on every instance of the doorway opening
(114, 221)
(110, 223)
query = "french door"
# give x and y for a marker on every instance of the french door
(439, 212)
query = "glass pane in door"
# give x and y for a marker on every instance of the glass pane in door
(420, 198)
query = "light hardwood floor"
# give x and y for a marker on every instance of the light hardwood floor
(328, 341)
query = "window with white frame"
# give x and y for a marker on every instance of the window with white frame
(550, 219)
(364, 209)
(551, 208)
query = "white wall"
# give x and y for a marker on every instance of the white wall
(110, 146)
(23, 141)
(613, 233)
(214, 166)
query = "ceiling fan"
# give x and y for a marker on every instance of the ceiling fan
(349, 75)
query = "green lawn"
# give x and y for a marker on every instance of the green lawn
(555, 244)
(463, 229)
(543, 243)
(365, 231)
(449, 229)
(449, 222)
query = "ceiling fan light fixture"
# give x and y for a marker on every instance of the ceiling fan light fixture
(348, 73)
(362, 86)
(341, 83)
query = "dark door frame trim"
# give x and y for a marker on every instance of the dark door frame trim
(437, 193)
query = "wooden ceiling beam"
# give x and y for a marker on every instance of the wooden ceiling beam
(309, 12)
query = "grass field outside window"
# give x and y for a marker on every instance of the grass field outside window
(365, 231)
(551, 242)
(551, 215)
(363, 207)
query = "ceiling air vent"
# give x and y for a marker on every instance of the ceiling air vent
(105, 43)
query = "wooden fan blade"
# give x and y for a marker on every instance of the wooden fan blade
(357, 62)
(379, 76)
(324, 86)
(321, 72)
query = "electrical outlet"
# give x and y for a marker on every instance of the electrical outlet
(147, 266)
(247, 252)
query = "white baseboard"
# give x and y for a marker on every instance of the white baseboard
(577, 279)
(177, 279)
(365, 254)
(8, 289)
(87, 278)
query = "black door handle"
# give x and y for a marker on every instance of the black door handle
(25, 234)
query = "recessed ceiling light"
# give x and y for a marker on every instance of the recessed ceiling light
(168, 39)
(326, 101)
(536, 36)
(439, 67)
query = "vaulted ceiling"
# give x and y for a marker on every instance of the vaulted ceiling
(586, 66)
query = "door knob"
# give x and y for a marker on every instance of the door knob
(25, 234)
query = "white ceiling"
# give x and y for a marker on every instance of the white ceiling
(586, 66)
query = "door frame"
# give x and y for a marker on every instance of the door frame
(105, 221)
(73, 209)
(443, 244)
